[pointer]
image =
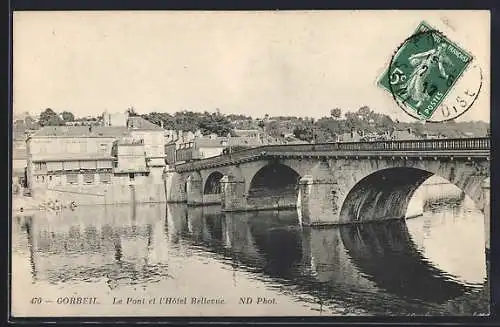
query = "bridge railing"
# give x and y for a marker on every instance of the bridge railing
(459, 144)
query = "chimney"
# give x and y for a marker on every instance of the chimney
(90, 128)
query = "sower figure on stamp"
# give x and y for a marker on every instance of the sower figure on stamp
(416, 85)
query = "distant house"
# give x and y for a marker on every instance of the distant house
(352, 136)
(430, 136)
(212, 146)
(114, 119)
(403, 134)
(201, 148)
(255, 133)
(170, 152)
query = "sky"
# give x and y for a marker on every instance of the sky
(253, 63)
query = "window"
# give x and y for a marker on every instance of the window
(104, 164)
(72, 178)
(50, 177)
(131, 176)
(105, 177)
(88, 178)
(40, 166)
(88, 164)
(115, 164)
(54, 166)
(71, 165)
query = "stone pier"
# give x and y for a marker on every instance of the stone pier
(233, 196)
(194, 190)
(318, 201)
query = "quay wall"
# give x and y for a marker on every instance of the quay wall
(102, 194)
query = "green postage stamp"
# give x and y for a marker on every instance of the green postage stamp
(423, 71)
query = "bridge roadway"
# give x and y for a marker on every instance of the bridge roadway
(404, 149)
(334, 183)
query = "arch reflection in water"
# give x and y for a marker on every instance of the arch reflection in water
(357, 264)
(385, 253)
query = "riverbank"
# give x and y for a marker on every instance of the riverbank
(70, 196)
(22, 204)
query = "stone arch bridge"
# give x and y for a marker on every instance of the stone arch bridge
(333, 183)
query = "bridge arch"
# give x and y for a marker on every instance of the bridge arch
(274, 185)
(212, 183)
(385, 193)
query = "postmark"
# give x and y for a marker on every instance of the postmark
(432, 78)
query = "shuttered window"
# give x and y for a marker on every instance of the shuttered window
(104, 164)
(88, 178)
(72, 178)
(41, 166)
(54, 166)
(105, 177)
(71, 165)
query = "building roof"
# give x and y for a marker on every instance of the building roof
(74, 157)
(246, 132)
(221, 142)
(140, 123)
(244, 141)
(80, 131)
(216, 142)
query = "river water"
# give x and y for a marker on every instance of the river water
(218, 263)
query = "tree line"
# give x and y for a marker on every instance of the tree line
(324, 129)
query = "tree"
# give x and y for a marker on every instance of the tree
(67, 116)
(364, 112)
(336, 113)
(215, 123)
(304, 131)
(49, 117)
(131, 111)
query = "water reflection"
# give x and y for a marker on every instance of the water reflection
(387, 256)
(94, 244)
(378, 268)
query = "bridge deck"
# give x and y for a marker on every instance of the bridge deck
(440, 148)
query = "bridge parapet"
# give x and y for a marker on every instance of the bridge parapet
(464, 147)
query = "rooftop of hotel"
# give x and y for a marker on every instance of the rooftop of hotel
(81, 131)
(72, 157)
(133, 123)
